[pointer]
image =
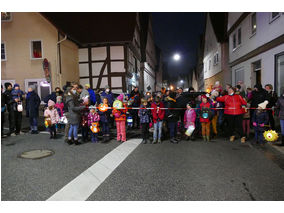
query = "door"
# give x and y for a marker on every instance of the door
(279, 73)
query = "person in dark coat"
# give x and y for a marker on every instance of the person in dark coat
(3, 110)
(32, 108)
(17, 97)
(280, 108)
(136, 97)
(272, 99)
(110, 97)
(172, 116)
(259, 95)
(260, 119)
(9, 105)
(53, 95)
(104, 120)
(92, 95)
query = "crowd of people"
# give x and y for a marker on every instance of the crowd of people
(175, 115)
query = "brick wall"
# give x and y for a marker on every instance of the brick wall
(209, 82)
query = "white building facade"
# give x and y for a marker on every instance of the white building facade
(256, 48)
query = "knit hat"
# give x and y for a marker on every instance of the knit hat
(203, 96)
(263, 105)
(87, 85)
(50, 103)
(58, 98)
(120, 97)
(7, 84)
(107, 87)
(16, 85)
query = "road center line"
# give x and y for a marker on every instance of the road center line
(87, 182)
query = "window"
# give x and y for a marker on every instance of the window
(239, 36)
(36, 49)
(6, 16)
(3, 52)
(234, 41)
(209, 65)
(273, 16)
(239, 75)
(279, 73)
(216, 58)
(253, 23)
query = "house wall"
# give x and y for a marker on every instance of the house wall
(19, 65)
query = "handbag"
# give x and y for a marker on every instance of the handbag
(19, 107)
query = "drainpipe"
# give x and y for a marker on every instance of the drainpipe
(59, 59)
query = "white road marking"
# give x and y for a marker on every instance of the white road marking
(87, 182)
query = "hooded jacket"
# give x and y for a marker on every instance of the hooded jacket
(158, 114)
(233, 104)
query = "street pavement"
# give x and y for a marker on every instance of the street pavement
(190, 170)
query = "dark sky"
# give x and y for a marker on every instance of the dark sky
(178, 32)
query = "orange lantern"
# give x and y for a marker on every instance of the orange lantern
(103, 107)
(95, 127)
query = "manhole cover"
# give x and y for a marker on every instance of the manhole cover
(36, 154)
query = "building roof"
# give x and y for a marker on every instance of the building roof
(92, 28)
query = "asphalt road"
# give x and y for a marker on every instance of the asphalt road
(197, 170)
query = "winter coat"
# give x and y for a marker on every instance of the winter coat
(205, 108)
(233, 104)
(189, 117)
(272, 99)
(144, 114)
(105, 116)
(3, 102)
(260, 118)
(172, 114)
(84, 93)
(120, 114)
(135, 96)
(84, 116)
(93, 117)
(16, 94)
(92, 96)
(258, 97)
(280, 107)
(158, 114)
(74, 109)
(109, 97)
(53, 114)
(9, 100)
(60, 108)
(32, 105)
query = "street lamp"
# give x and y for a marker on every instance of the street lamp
(176, 57)
(181, 81)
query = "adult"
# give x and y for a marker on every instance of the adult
(179, 100)
(53, 95)
(259, 95)
(172, 116)
(272, 99)
(234, 113)
(74, 115)
(3, 110)
(92, 95)
(17, 107)
(9, 105)
(280, 107)
(83, 92)
(32, 108)
(136, 97)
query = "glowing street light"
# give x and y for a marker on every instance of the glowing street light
(176, 57)
(181, 81)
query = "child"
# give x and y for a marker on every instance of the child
(144, 115)
(189, 118)
(105, 120)
(93, 118)
(260, 119)
(52, 114)
(84, 120)
(158, 117)
(60, 106)
(246, 120)
(120, 118)
(205, 116)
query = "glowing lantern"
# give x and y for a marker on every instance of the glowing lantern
(95, 127)
(103, 107)
(117, 104)
(270, 135)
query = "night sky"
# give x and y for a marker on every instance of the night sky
(178, 32)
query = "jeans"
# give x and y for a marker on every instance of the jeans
(105, 128)
(258, 135)
(173, 129)
(33, 123)
(73, 131)
(158, 127)
(282, 126)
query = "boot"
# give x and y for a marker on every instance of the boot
(154, 141)
(51, 136)
(69, 142)
(208, 138)
(159, 140)
(204, 138)
(77, 142)
(173, 141)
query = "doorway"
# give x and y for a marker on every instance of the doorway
(42, 87)
(256, 73)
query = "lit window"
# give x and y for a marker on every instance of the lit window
(253, 23)
(36, 49)
(3, 52)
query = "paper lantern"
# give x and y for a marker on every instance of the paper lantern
(95, 127)
(270, 135)
(103, 107)
(117, 104)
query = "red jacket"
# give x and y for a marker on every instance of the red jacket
(233, 104)
(203, 105)
(157, 113)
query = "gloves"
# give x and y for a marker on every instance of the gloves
(261, 125)
(254, 124)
